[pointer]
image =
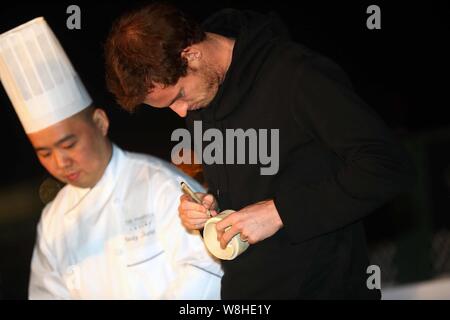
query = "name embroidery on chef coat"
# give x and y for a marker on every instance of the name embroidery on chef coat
(139, 228)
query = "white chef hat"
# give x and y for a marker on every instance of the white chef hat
(38, 77)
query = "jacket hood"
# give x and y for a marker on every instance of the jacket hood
(255, 34)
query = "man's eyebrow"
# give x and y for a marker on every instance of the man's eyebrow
(59, 142)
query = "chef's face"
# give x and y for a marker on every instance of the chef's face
(75, 150)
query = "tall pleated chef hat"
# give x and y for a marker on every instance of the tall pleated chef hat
(38, 77)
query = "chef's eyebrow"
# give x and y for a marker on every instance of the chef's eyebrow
(58, 143)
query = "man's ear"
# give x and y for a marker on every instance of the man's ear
(191, 54)
(101, 121)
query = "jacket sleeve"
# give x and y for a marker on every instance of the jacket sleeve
(46, 282)
(374, 169)
(197, 273)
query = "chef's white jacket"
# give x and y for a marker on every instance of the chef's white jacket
(122, 239)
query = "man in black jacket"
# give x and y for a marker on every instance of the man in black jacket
(337, 160)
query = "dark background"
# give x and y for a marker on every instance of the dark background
(401, 71)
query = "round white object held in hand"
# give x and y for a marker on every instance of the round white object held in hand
(235, 247)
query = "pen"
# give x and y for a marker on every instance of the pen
(186, 190)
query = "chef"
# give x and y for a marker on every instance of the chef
(113, 231)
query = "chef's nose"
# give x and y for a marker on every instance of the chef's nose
(61, 159)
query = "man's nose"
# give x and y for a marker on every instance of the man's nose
(180, 108)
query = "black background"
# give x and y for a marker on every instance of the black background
(401, 71)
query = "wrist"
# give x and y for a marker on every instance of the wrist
(276, 216)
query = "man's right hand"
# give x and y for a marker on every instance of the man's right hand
(194, 215)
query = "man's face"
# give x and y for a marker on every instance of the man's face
(73, 151)
(194, 91)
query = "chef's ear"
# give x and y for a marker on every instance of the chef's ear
(101, 120)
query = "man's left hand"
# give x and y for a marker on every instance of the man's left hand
(255, 223)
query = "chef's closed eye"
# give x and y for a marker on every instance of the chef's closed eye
(43, 154)
(69, 145)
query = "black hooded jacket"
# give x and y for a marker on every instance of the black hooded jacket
(337, 163)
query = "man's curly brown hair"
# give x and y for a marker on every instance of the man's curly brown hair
(144, 47)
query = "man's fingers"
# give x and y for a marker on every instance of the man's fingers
(228, 221)
(193, 214)
(227, 236)
(221, 233)
(192, 206)
(213, 213)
